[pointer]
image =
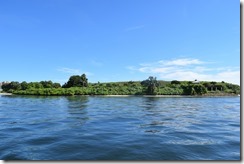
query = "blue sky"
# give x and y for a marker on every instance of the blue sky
(120, 40)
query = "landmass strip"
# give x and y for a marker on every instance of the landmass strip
(79, 85)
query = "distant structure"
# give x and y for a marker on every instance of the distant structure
(196, 81)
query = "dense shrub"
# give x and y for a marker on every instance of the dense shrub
(149, 86)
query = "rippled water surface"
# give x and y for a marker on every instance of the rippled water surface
(119, 128)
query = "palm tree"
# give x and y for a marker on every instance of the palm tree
(84, 80)
(151, 83)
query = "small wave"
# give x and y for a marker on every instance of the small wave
(11, 156)
(193, 142)
(42, 141)
(152, 131)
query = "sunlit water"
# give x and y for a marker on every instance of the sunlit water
(119, 128)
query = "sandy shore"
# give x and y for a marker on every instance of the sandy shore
(117, 95)
(147, 95)
(169, 95)
(207, 95)
(5, 93)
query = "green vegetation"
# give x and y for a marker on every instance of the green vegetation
(78, 85)
(77, 81)
(151, 83)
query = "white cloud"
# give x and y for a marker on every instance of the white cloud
(231, 76)
(189, 69)
(69, 70)
(73, 71)
(181, 62)
(202, 69)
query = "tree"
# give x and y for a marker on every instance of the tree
(84, 80)
(194, 89)
(24, 85)
(199, 89)
(221, 86)
(175, 82)
(76, 81)
(151, 84)
(9, 87)
(56, 85)
(208, 86)
(234, 88)
(47, 84)
(35, 85)
(6, 87)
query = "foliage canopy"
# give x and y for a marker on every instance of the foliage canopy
(78, 85)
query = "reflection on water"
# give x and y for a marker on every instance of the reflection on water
(119, 128)
(77, 109)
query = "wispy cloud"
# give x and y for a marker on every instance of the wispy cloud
(73, 71)
(96, 63)
(134, 28)
(188, 69)
(181, 62)
(69, 70)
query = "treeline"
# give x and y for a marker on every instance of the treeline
(16, 86)
(79, 85)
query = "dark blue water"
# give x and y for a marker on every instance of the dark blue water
(119, 128)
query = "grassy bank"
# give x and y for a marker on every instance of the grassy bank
(78, 85)
(123, 89)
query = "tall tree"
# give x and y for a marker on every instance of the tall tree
(175, 82)
(84, 80)
(76, 81)
(151, 83)
(9, 87)
(24, 85)
(47, 84)
(56, 85)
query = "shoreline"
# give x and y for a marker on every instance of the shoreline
(6, 94)
(206, 95)
(167, 95)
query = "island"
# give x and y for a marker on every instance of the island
(79, 85)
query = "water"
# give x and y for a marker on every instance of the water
(119, 128)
